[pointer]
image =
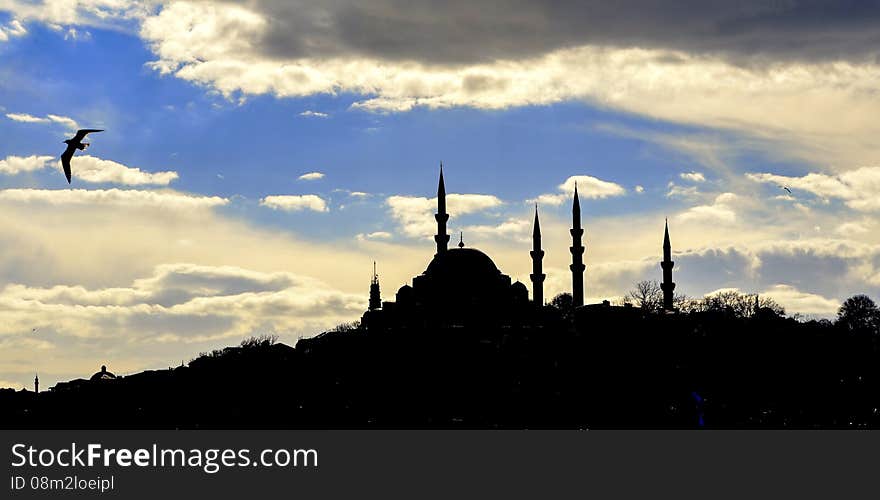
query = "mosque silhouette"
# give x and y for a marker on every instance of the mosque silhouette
(463, 286)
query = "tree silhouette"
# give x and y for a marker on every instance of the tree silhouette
(739, 305)
(859, 314)
(647, 295)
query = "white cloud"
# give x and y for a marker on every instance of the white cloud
(376, 235)
(589, 187)
(415, 213)
(693, 176)
(794, 300)
(50, 118)
(311, 176)
(639, 189)
(89, 169)
(314, 114)
(516, 229)
(721, 210)
(97, 170)
(859, 189)
(13, 28)
(12, 165)
(295, 203)
(685, 192)
(166, 200)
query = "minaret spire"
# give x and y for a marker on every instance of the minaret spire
(375, 296)
(36, 383)
(441, 216)
(537, 256)
(577, 252)
(667, 264)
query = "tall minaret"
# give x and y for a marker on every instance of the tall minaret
(667, 286)
(537, 270)
(375, 298)
(36, 384)
(441, 237)
(577, 253)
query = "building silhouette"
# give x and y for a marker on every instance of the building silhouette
(667, 264)
(463, 285)
(537, 254)
(375, 296)
(577, 253)
(460, 286)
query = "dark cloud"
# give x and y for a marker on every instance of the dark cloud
(463, 31)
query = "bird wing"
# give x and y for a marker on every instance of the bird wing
(81, 133)
(789, 190)
(65, 161)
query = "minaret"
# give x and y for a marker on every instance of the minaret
(537, 270)
(36, 384)
(375, 298)
(667, 286)
(577, 253)
(441, 216)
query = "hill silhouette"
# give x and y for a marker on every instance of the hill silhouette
(591, 367)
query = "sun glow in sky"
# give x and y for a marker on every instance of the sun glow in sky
(259, 157)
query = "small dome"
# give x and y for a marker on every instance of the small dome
(519, 286)
(103, 374)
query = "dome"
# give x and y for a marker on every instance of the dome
(103, 375)
(461, 261)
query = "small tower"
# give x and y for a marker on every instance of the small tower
(577, 253)
(667, 286)
(537, 254)
(375, 297)
(461, 239)
(441, 216)
(36, 384)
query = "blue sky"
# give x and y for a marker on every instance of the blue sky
(187, 225)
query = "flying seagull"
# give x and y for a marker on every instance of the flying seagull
(786, 188)
(72, 145)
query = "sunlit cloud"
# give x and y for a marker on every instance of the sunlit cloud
(295, 203)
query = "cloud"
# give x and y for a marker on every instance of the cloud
(376, 235)
(414, 214)
(859, 189)
(314, 114)
(12, 165)
(179, 303)
(96, 170)
(90, 169)
(165, 200)
(13, 28)
(639, 189)
(588, 188)
(237, 50)
(295, 203)
(685, 192)
(693, 176)
(721, 210)
(50, 118)
(311, 176)
(494, 31)
(518, 229)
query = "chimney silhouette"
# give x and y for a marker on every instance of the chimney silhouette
(375, 297)
(537, 270)
(441, 216)
(667, 264)
(577, 253)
